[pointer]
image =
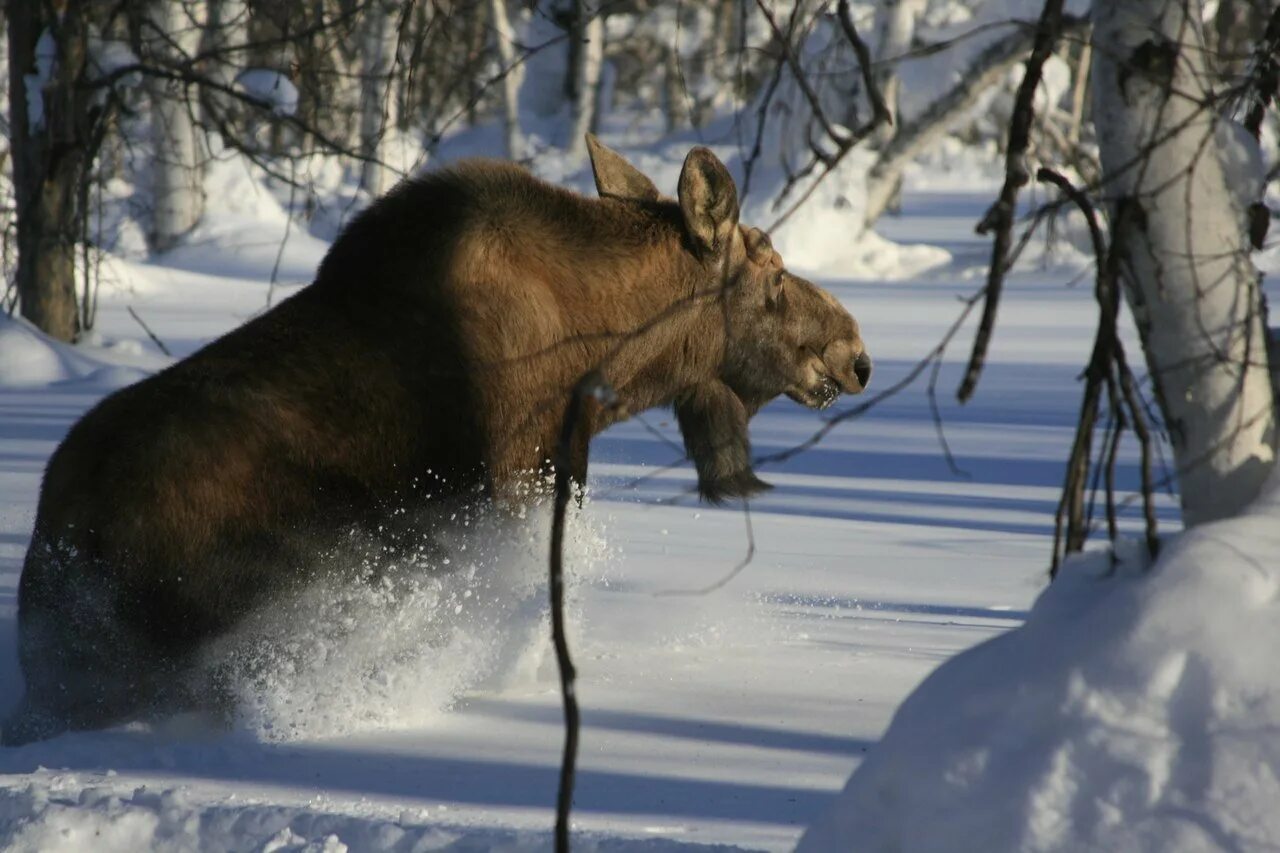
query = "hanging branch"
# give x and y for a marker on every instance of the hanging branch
(999, 218)
(880, 112)
(1264, 80)
(593, 386)
(1107, 368)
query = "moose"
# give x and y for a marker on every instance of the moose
(443, 333)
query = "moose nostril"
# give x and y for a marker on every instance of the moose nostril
(862, 368)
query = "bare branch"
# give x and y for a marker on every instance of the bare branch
(1000, 217)
(592, 385)
(1264, 80)
(1107, 365)
(880, 110)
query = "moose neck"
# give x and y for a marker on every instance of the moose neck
(676, 336)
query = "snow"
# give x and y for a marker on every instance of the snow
(270, 87)
(1134, 710)
(46, 57)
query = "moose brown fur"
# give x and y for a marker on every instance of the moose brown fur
(433, 354)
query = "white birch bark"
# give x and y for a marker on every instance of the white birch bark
(505, 37)
(378, 50)
(895, 27)
(586, 88)
(226, 34)
(1188, 277)
(177, 174)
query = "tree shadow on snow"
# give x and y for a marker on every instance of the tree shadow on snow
(337, 770)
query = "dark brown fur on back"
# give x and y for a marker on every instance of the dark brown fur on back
(432, 356)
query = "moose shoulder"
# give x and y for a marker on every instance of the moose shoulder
(433, 355)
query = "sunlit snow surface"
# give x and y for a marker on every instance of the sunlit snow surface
(430, 719)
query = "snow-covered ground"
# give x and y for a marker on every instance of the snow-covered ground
(733, 717)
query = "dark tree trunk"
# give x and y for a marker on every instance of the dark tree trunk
(51, 130)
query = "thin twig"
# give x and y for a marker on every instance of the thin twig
(937, 421)
(164, 349)
(733, 573)
(1107, 365)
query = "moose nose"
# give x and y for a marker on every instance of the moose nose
(862, 368)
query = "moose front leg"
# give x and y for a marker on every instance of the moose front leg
(713, 422)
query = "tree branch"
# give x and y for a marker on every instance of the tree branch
(1000, 217)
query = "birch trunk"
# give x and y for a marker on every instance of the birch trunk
(172, 37)
(589, 29)
(50, 137)
(378, 49)
(895, 28)
(1185, 251)
(505, 37)
(226, 36)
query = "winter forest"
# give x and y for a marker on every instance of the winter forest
(639, 425)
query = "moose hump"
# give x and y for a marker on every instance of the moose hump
(433, 355)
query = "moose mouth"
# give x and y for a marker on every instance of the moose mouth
(819, 397)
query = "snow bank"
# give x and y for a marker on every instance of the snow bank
(104, 819)
(29, 359)
(1132, 711)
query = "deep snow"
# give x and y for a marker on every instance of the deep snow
(728, 718)
(1134, 710)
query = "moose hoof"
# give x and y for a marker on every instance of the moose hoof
(742, 484)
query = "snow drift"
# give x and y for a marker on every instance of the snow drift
(1135, 710)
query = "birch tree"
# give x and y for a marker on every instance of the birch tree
(52, 130)
(895, 27)
(1179, 223)
(505, 42)
(378, 47)
(171, 34)
(588, 29)
(225, 41)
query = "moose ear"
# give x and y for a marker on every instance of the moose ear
(615, 177)
(709, 201)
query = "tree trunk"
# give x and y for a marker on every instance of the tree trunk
(588, 32)
(226, 35)
(895, 28)
(171, 38)
(505, 37)
(1185, 250)
(379, 48)
(51, 127)
(1237, 24)
(675, 105)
